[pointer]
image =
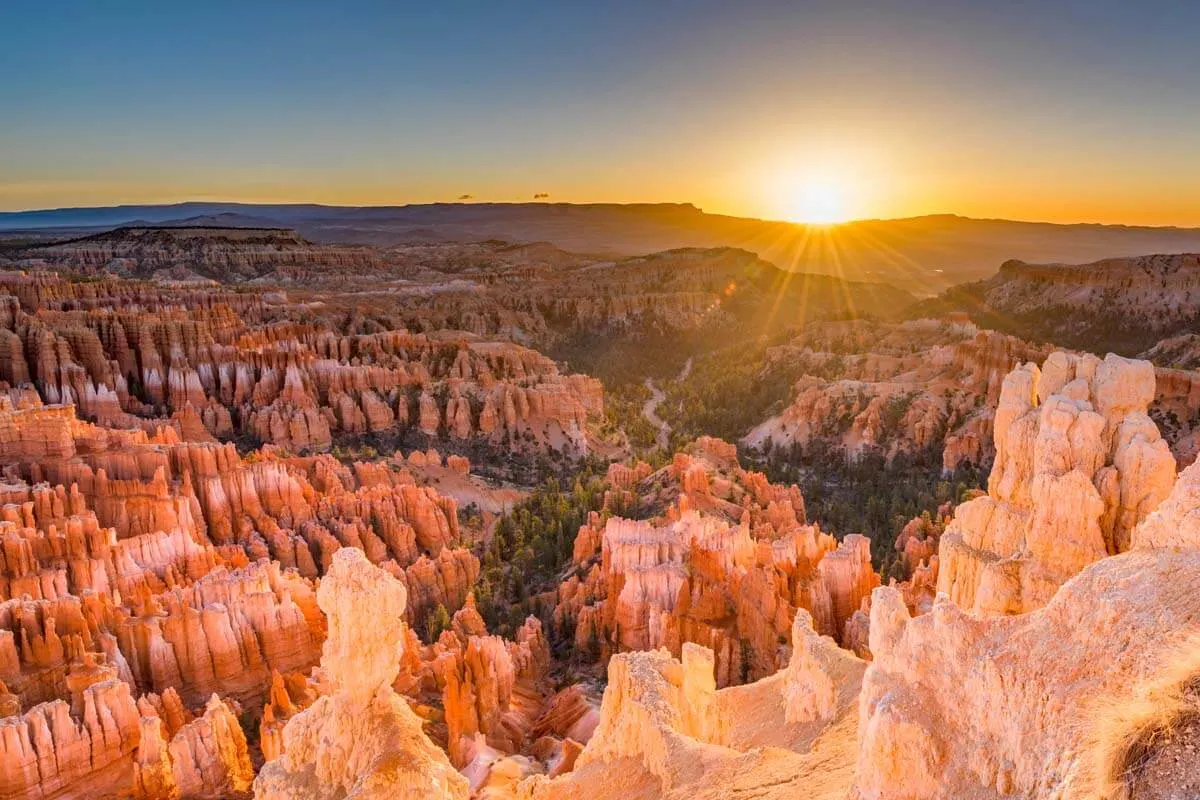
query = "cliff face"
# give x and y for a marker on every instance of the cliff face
(361, 741)
(1078, 465)
(221, 254)
(899, 388)
(962, 702)
(1153, 291)
(934, 384)
(725, 563)
(1122, 304)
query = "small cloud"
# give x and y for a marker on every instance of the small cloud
(466, 197)
(541, 196)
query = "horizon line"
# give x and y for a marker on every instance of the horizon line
(633, 203)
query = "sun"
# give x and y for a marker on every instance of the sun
(820, 201)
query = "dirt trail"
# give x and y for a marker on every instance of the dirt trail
(662, 436)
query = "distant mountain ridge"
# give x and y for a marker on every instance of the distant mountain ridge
(1123, 305)
(923, 255)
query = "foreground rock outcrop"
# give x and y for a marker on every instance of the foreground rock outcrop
(954, 706)
(362, 741)
(666, 731)
(1079, 464)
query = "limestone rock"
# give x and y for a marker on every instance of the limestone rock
(362, 741)
(725, 564)
(1078, 465)
(957, 706)
(1176, 521)
(666, 731)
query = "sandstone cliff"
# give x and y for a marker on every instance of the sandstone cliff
(954, 706)
(959, 705)
(219, 364)
(898, 388)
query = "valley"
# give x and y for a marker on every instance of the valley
(282, 515)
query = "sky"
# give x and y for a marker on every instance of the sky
(1055, 110)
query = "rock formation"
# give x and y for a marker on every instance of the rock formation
(219, 364)
(1176, 520)
(954, 706)
(1078, 465)
(666, 731)
(898, 388)
(1131, 302)
(725, 564)
(177, 549)
(361, 741)
(127, 590)
(203, 758)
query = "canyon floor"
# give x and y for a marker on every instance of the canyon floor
(296, 516)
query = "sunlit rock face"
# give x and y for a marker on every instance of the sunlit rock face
(135, 585)
(161, 579)
(154, 567)
(725, 564)
(207, 756)
(957, 706)
(488, 702)
(491, 689)
(1078, 465)
(1142, 294)
(361, 741)
(1176, 521)
(108, 745)
(667, 731)
(218, 364)
(1000, 690)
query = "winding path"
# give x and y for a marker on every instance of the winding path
(662, 436)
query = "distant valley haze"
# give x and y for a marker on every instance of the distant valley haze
(922, 255)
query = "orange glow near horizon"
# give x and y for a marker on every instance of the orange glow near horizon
(820, 201)
(827, 190)
(821, 187)
(815, 112)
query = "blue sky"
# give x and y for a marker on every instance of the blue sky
(1066, 110)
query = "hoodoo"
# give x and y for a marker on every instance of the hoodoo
(1079, 464)
(362, 741)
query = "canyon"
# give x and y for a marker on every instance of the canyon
(924, 254)
(283, 518)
